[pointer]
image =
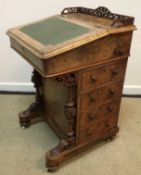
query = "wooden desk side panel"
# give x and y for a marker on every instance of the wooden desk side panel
(55, 98)
(33, 60)
(102, 50)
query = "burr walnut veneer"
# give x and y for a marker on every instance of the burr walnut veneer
(79, 60)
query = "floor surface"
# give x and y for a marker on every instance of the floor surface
(22, 151)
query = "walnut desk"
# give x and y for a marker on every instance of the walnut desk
(79, 60)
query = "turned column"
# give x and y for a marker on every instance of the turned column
(70, 113)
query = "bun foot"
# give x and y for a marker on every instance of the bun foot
(52, 169)
(56, 156)
(109, 139)
(112, 135)
(24, 125)
(24, 120)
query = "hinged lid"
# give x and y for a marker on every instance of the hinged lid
(74, 27)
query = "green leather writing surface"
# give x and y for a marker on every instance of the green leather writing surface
(53, 31)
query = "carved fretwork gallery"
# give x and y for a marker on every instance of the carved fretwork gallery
(102, 12)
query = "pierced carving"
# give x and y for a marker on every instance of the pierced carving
(33, 111)
(67, 79)
(101, 12)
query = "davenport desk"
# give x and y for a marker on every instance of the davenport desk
(79, 60)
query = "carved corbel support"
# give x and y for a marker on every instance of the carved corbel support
(33, 112)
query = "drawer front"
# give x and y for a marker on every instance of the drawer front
(92, 132)
(97, 113)
(97, 130)
(92, 78)
(90, 99)
(28, 55)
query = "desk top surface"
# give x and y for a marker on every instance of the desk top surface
(74, 27)
(53, 31)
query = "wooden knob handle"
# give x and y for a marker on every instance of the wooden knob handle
(118, 52)
(91, 116)
(107, 124)
(89, 132)
(111, 92)
(92, 98)
(93, 78)
(114, 72)
(109, 108)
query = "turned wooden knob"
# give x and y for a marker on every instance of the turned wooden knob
(93, 78)
(112, 92)
(107, 125)
(91, 116)
(89, 132)
(118, 52)
(114, 72)
(92, 98)
(109, 108)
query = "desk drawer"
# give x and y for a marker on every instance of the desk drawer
(28, 55)
(98, 129)
(97, 113)
(92, 78)
(94, 97)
